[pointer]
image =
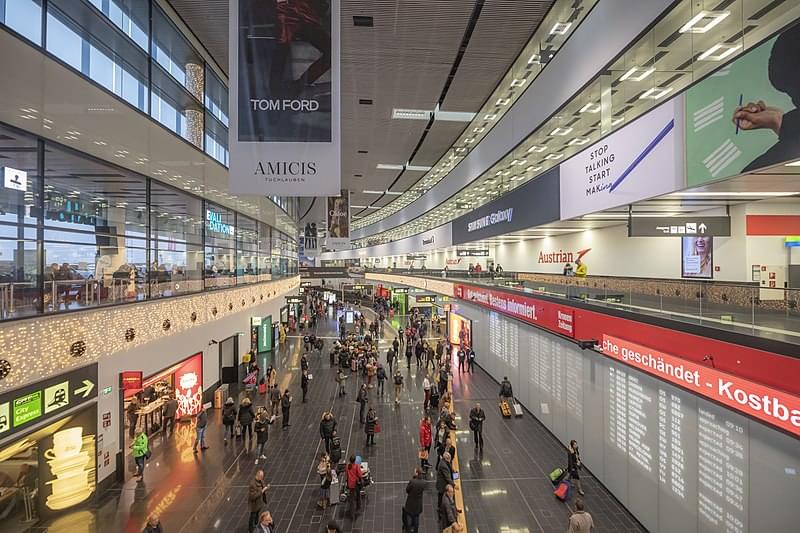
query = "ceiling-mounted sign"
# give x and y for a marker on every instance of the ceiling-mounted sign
(305, 284)
(400, 290)
(338, 221)
(425, 298)
(15, 179)
(483, 252)
(679, 226)
(284, 133)
(619, 169)
(529, 205)
(414, 257)
(294, 300)
(26, 406)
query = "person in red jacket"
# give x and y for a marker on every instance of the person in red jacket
(425, 441)
(354, 477)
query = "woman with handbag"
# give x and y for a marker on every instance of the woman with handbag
(371, 427)
(354, 483)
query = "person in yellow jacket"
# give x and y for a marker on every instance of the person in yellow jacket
(580, 269)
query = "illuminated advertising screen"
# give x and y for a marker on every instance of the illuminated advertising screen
(697, 257)
(460, 330)
(265, 334)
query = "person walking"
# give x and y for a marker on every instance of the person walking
(409, 353)
(471, 360)
(370, 426)
(274, 400)
(228, 418)
(170, 410)
(391, 354)
(262, 431)
(256, 498)
(398, 385)
(327, 426)
(333, 527)
(448, 512)
(265, 523)
(418, 349)
(444, 478)
(381, 375)
(413, 507)
(354, 477)
(580, 521)
(153, 524)
(476, 418)
(246, 416)
(200, 429)
(439, 438)
(286, 404)
(443, 378)
(141, 451)
(341, 379)
(574, 465)
(462, 357)
(304, 384)
(362, 399)
(506, 391)
(426, 387)
(425, 442)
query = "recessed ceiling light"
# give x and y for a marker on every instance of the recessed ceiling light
(490, 116)
(479, 130)
(719, 52)
(654, 93)
(371, 192)
(632, 75)
(554, 156)
(519, 82)
(358, 206)
(578, 141)
(411, 114)
(452, 116)
(533, 169)
(591, 107)
(560, 28)
(536, 149)
(793, 164)
(385, 166)
(502, 101)
(392, 193)
(561, 131)
(535, 59)
(704, 21)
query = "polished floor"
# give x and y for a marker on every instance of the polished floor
(505, 490)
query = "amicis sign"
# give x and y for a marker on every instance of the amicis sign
(771, 406)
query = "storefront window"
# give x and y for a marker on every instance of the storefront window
(95, 227)
(176, 245)
(130, 16)
(246, 250)
(216, 97)
(220, 252)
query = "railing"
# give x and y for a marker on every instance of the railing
(744, 308)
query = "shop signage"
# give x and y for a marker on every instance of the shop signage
(400, 290)
(554, 317)
(305, 283)
(774, 407)
(414, 257)
(284, 134)
(46, 399)
(131, 380)
(619, 169)
(532, 204)
(454, 261)
(679, 226)
(214, 223)
(265, 334)
(15, 179)
(425, 298)
(483, 252)
(338, 221)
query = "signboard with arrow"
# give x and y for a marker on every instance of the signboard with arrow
(46, 399)
(679, 226)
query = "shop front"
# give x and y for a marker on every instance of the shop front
(48, 458)
(144, 399)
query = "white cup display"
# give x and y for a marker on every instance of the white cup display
(69, 460)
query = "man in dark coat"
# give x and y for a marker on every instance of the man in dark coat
(256, 498)
(413, 507)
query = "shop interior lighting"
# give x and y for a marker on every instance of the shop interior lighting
(632, 75)
(719, 52)
(418, 168)
(479, 130)
(560, 28)
(490, 116)
(554, 157)
(704, 21)
(579, 141)
(502, 101)
(411, 114)
(561, 131)
(655, 93)
(591, 107)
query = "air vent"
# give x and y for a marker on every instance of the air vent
(361, 20)
(363, 151)
(358, 175)
(365, 101)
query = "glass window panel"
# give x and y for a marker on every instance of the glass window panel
(24, 17)
(216, 98)
(130, 16)
(220, 267)
(63, 42)
(220, 226)
(176, 56)
(216, 136)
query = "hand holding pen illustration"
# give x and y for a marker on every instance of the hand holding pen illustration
(757, 116)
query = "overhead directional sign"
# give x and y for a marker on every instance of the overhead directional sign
(400, 290)
(482, 252)
(46, 399)
(679, 226)
(294, 300)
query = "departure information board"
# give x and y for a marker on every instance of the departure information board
(679, 462)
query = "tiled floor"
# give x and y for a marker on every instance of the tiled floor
(505, 490)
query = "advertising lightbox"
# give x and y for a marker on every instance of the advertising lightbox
(697, 257)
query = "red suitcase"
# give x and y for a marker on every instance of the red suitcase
(563, 490)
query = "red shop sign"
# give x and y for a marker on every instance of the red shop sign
(556, 318)
(131, 380)
(774, 407)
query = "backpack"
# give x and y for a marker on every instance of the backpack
(381, 373)
(398, 380)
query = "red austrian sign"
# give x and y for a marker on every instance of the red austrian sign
(556, 318)
(772, 406)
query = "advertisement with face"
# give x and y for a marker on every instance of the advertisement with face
(744, 117)
(338, 220)
(639, 161)
(284, 58)
(697, 258)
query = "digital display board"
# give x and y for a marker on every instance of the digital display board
(676, 459)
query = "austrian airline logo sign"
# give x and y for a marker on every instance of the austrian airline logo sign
(774, 407)
(561, 256)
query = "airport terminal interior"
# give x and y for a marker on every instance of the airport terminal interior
(378, 266)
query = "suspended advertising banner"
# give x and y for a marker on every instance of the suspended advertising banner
(284, 97)
(338, 212)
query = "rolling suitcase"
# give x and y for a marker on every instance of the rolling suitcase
(517, 409)
(505, 409)
(563, 490)
(557, 475)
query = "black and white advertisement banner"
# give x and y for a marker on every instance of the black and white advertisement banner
(338, 212)
(284, 97)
